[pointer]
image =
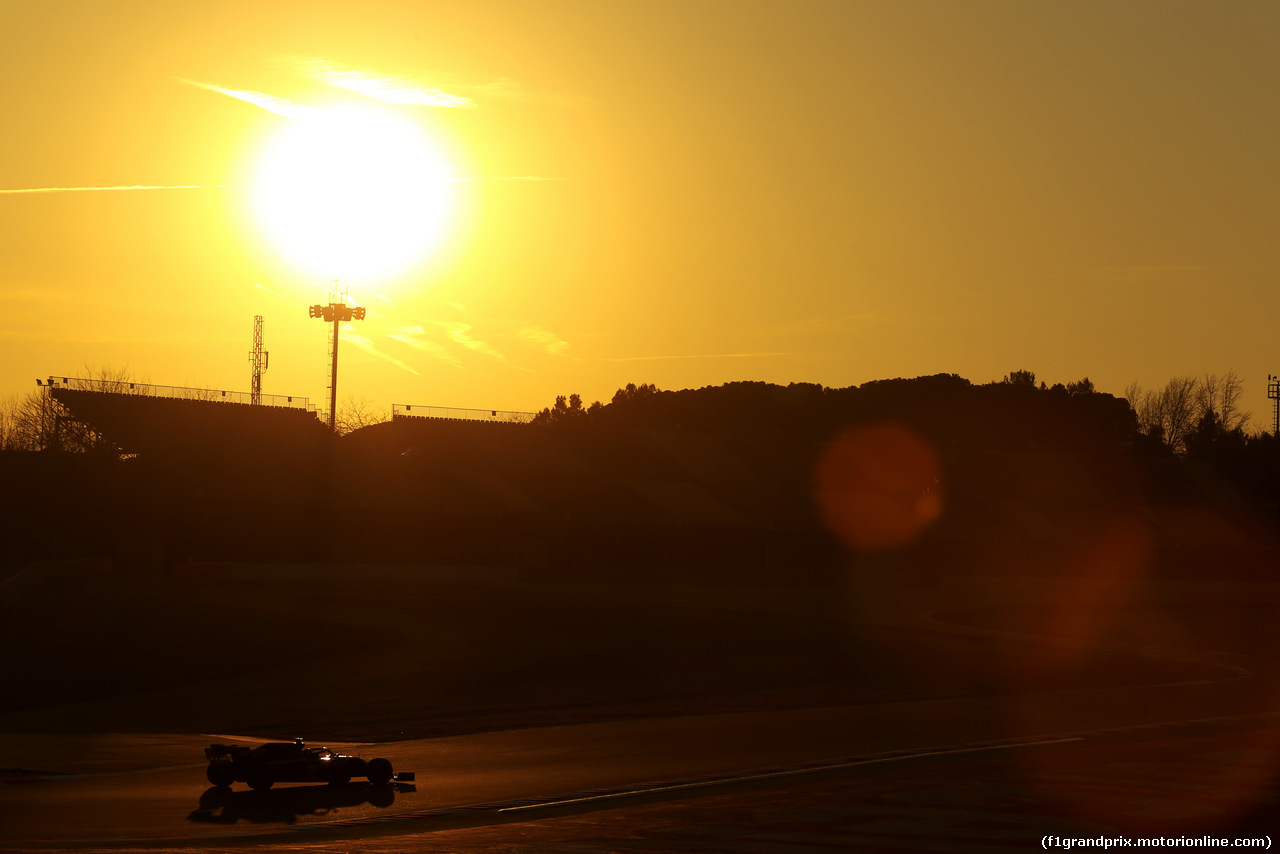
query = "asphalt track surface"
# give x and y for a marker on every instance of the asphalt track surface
(145, 791)
(1215, 731)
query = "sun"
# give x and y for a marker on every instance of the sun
(356, 194)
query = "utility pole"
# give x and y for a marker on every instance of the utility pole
(336, 312)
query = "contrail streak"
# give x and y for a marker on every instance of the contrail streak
(108, 189)
(279, 106)
(383, 87)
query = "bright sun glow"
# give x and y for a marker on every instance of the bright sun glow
(353, 194)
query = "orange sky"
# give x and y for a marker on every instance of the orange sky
(681, 193)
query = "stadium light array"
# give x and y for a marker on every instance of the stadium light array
(335, 312)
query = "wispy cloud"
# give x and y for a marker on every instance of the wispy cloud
(546, 339)
(413, 336)
(382, 87)
(279, 106)
(348, 334)
(460, 333)
(388, 89)
(109, 189)
(268, 290)
(397, 89)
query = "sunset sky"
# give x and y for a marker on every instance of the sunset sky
(684, 193)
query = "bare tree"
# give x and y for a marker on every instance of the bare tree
(41, 423)
(9, 422)
(1220, 397)
(113, 380)
(354, 414)
(197, 393)
(1168, 414)
(1179, 410)
(1144, 404)
(1171, 414)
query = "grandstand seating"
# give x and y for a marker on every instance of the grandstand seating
(173, 427)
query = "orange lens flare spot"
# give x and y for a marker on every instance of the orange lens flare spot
(879, 486)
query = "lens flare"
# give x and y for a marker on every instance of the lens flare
(879, 486)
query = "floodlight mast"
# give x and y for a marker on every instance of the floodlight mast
(338, 312)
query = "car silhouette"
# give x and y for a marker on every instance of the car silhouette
(292, 762)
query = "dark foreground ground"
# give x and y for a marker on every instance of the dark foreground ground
(375, 653)
(1213, 783)
(1184, 784)
(360, 654)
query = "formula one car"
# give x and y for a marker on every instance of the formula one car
(285, 762)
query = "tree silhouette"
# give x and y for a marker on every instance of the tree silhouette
(356, 413)
(1021, 379)
(634, 392)
(565, 410)
(1220, 396)
(1173, 413)
(1084, 386)
(38, 422)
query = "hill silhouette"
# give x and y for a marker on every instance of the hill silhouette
(746, 546)
(715, 482)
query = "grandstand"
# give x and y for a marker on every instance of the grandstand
(606, 477)
(174, 422)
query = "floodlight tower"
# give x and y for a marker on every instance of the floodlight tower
(1273, 392)
(259, 358)
(337, 312)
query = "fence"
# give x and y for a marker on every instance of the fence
(498, 416)
(177, 392)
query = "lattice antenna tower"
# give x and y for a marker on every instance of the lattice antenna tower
(259, 359)
(1273, 392)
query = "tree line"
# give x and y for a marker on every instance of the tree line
(1189, 411)
(1186, 416)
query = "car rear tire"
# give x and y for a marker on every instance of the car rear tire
(220, 773)
(379, 772)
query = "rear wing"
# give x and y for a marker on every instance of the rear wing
(216, 752)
